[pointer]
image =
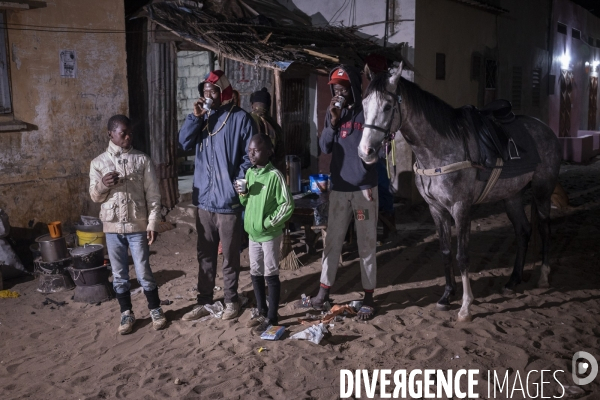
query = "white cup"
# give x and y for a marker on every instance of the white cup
(242, 185)
(340, 102)
(207, 103)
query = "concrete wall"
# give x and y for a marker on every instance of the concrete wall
(44, 170)
(578, 51)
(439, 31)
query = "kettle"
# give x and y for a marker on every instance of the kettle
(293, 173)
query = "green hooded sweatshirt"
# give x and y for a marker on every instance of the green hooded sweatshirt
(268, 203)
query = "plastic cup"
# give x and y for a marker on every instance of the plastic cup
(340, 102)
(242, 184)
(207, 103)
(55, 229)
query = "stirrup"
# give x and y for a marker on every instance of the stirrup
(517, 157)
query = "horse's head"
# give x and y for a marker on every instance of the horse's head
(382, 112)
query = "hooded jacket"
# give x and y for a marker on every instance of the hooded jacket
(221, 156)
(348, 172)
(133, 204)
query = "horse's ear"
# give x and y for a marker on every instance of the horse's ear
(395, 74)
(368, 72)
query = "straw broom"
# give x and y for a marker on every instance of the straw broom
(289, 259)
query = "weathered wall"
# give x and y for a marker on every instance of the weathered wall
(44, 171)
(192, 66)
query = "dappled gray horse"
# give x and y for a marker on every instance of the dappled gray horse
(444, 144)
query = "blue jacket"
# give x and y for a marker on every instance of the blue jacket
(221, 158)
(348, 172)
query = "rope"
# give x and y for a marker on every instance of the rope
(443, 170)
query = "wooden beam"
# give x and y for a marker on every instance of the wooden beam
(279, 96)
(9, 5)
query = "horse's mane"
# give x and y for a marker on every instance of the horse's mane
(444, 119)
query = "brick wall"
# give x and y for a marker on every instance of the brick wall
(192, 66)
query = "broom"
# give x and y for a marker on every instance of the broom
(289, 259)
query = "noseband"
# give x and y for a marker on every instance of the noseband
(388, 135)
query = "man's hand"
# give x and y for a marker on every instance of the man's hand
(151, 236)
(199, 109)
(335, 111)
(110, 179)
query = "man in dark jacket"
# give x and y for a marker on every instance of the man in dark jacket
(354, 188)
(220, 132)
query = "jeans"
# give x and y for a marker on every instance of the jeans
(117, 252)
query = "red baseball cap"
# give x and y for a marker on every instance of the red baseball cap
(339, 77)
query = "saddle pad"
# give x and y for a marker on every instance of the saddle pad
(527, 151)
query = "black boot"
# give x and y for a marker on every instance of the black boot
(274, 295)
(258, 283)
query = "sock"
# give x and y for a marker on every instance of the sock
(368, 300)
(258, 283)
(153, 299)
(124, 300)
(274, 294)
(322, 296)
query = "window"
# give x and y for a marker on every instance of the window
(490, 74)
(440, 66)
(576, 33)
(517, 87)
(562, 28)
(536, 87)
(591, 41)
(597, 42)
(5, 101)
(475, 66)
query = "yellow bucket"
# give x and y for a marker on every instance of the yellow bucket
(91, 238)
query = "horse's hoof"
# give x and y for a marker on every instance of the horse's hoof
(466, 318)
(442, 307)
(508, 291)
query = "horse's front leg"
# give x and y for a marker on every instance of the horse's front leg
(443, 222)
(461, 214)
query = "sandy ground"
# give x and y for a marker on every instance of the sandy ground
(74, 351)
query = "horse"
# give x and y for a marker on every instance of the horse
(444, 144)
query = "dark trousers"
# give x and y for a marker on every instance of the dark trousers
(212, 228)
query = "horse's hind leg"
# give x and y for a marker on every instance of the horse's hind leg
(541, 210)
(442, 223)
(516, 214)
(461, 214)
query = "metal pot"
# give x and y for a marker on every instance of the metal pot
(293, 171)
(90, 276)
(88, 256)
(53, 249)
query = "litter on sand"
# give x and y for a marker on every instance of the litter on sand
(313, 333)
(273, 332)
(261, 349)
(6, 294)
(215, 310)
(137, 291)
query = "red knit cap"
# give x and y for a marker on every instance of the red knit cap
(218, 79)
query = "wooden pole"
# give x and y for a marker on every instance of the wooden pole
(279, 97)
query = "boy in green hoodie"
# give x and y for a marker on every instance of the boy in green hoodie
(268, 205)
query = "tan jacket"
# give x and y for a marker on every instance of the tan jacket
(133, 205)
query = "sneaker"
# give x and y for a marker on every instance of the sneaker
(255, 321)
(260, 328)
(198, 312)
(231, 310)
(127, 321)
(158, 318)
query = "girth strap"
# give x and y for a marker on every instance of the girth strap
(443, 170)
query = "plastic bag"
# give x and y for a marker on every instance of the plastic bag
(215, 310)
(313, 334)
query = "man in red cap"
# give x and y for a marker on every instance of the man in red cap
(354, 189)
(220, 132)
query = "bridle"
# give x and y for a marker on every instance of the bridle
(388, 136)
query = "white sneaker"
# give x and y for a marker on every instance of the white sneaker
(197, 313)
(158, 318)
(231, 310)
(127, 321)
